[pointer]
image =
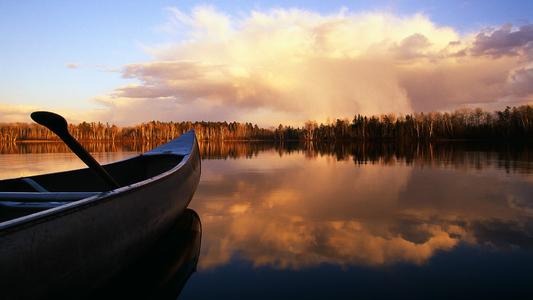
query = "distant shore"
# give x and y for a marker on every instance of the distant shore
(510, 124)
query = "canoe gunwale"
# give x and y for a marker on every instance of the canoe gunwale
(188, 139)
(46, 196)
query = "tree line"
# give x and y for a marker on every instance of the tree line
(509, 124)
(514, 123)
(145, 132)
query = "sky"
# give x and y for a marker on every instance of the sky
(266, 62)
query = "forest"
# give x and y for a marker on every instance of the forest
(512, 123)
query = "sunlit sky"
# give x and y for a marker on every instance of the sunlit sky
(267, 62)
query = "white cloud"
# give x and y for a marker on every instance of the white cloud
(289, 65)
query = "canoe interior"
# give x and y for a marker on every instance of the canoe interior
(125, 172)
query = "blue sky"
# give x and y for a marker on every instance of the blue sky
(39, 38)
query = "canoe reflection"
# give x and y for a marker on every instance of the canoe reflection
(163, 272)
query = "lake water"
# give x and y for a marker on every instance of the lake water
(349, 221)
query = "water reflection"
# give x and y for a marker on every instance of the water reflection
(297, 208)
(294, 212)
(511, 157)
(20, 165)
(161, 273)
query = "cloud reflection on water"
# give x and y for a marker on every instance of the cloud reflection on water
(298, 206)
(296, 211)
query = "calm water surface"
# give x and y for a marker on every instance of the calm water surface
(351, 221)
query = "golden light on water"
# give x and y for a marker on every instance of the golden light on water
(295, 210)
(296, 213)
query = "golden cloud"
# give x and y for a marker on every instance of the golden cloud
(289, 65)
(15, 113)
(11, 113)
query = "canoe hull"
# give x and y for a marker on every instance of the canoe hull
(80, 248)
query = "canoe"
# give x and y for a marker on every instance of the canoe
(78, 234)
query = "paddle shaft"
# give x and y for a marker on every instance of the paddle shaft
(78, 149)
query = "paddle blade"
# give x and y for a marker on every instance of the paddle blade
(52, 121)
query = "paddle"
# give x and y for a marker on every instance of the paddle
(58, 125)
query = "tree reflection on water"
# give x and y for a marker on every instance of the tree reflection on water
(299, 205)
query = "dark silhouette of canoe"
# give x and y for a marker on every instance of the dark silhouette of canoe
(70, 234)
(164, 270)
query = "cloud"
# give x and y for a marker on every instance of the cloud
(72, 66)
(290, 65)
(11, 113)
(412, 46)
(15, 113)
(504, 41)
(447, 85)
(521, 82)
